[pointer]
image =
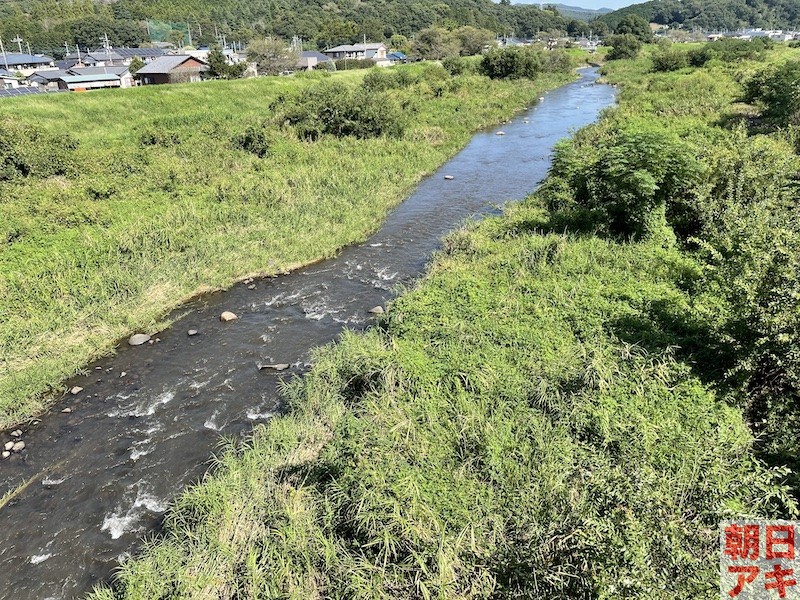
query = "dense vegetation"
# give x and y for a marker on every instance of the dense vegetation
(560, 409)
(47, 24)
(116, 206)
(713, 15)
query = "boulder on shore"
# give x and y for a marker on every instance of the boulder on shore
(137, 339)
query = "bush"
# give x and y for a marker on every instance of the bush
(623, 46)
(254, 140)
(352, 64)
(333, 108)
(669, 60)
(459, 65)
(730, 50)
(777, 91)
(28, 151)
(512, 63)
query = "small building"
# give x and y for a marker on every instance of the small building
(172, 69)
(47, 79)
(397, 58)
(82, 83)
(25, 63)
(309, 60)
(7, 80)
(369, 51)
(121, 73)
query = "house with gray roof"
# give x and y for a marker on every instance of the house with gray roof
(172, 69)
(25, 63)
(368, 51)
(310, 59)
(7, 80)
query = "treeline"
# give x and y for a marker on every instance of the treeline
(713, 15)
(47, 24)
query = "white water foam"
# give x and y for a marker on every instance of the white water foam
(119, 522)
(211, 422)
(53, 481)
(143, 409)
(252, 415)
(38, 558)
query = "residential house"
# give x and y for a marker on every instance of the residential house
(397, 58)
(7, 80)
(172, 69)
(105, 57)
(107, 77)
(369, 51)
(309, 59)
(82, 83)
(47, 79)
(25, 63)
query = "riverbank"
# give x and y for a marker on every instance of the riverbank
(556, 410)
(122, 205)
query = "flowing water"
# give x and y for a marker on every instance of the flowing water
(101, 476)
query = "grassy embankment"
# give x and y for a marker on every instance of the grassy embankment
(550, 413)
(117, 206)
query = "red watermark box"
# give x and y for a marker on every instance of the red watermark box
(758, 559)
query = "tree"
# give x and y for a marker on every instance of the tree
(473, 40)
(136, 64)
(218, 67)
(636, 26)
(434, 43)
(272, 56)
(177, 37)
(623, 46)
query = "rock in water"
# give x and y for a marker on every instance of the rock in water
(138, 339)
(66, 410)
(448, 177)
(16, 433)
(191, 332)
(500, 133)
(227, 316)
(378, 310)
(8, 446)
(18, 447)
(276, 367)
(76, 390)
(6, 453)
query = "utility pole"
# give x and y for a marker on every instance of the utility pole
(3, 52)
(28, 44)
(189, 30)
(18, 41)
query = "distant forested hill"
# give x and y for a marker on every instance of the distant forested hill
(48, 24)
(571, 12)
(714, 14)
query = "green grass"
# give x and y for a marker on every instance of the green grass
(132, 230)
(500, 434)
(548, 414)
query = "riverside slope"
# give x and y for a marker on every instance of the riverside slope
(102, 475)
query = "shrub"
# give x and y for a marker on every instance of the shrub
(254, 140)
(777, 90)
(351, 64)
(512, 63)
(333, 108)
(669, 60)
(623, 46)
(29, 151)
(459, 65)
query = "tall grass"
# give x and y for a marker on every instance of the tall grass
(161, 202)
(501, 434)
(539, 418)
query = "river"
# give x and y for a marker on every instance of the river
(148, 419)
